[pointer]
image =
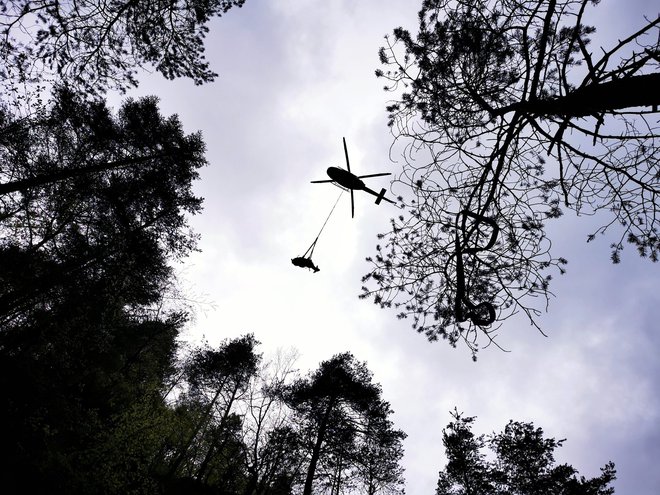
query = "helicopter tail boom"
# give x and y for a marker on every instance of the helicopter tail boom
(381, 196)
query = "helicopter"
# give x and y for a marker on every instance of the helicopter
(349, 181)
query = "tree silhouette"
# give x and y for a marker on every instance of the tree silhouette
(97, 46)
(523, 463)
(83, 189)
(508, 117)
(93, 209)
(378, 455)
(217, 378)
(338, 406)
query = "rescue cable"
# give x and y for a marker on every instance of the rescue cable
(305, 261)
(310, 249)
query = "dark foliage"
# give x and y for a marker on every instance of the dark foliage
(89, 193)
(78, 371)
(92, 208)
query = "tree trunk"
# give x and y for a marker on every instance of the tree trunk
(62, 174)
(337, 480)
(371, 483)
(617, 94)
(253, 463)
(317, 448)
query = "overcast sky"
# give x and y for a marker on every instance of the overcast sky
(296, 76)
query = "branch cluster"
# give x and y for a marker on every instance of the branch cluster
(504, 114)
(100, 45)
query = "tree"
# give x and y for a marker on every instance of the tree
(378, 455)
(335, 405)
(508, 118)
(84, 189)
(97, 46)
(217, 378)
(273, 454)
(93, 209)
(523, 463)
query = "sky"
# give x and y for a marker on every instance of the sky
(295, 76)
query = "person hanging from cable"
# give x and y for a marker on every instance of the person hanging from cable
(305, 261)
